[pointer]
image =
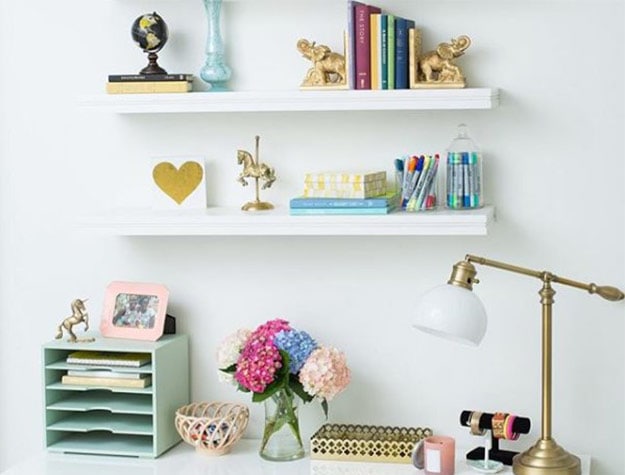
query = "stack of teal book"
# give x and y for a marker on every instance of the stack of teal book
(379, 205)
(344, 192)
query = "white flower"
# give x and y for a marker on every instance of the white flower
(228, 352)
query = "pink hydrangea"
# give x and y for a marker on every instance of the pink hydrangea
(271, 327)
(325, 373)
(260, 358)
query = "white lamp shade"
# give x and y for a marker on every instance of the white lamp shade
(451, 312)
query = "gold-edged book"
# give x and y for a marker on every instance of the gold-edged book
(113, 382)
(148, 87)
(108, 358)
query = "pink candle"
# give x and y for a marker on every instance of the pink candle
(439, 455)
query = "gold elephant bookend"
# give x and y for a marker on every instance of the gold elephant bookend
(437, 69)
(328, 69)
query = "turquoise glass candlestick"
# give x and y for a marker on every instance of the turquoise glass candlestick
(214, 72)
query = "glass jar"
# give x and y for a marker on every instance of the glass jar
(464, 172)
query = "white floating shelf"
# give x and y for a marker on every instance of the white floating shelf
(297, 101)
(233, 222)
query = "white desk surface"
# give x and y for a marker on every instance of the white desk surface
(243, 459)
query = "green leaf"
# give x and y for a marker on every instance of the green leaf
(324, 406)
(230, 369)
(268, 392)
(298, 389)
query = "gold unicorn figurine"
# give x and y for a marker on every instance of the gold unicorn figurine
(79, 315)
(252, 168)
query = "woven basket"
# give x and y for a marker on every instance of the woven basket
(212, 427)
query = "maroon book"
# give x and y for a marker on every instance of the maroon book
(363, 44)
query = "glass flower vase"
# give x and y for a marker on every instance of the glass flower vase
(281, 437)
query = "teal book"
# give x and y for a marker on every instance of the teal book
(378, 202)
(390, 41)
(340, 211)
(383, 51)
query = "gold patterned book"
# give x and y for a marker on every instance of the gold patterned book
(344, 177)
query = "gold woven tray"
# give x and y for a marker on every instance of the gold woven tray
(365, 443)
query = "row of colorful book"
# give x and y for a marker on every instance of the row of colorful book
(379, 47)
(344, 193)
(149, 83)
(94, 368)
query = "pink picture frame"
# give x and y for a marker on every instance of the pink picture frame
(134, 310)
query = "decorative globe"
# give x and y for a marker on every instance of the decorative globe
(150, 32)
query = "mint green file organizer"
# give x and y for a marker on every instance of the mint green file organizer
(136, 422)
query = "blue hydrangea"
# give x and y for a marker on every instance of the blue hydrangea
(297, 344)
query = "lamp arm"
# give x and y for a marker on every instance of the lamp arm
(605, 291)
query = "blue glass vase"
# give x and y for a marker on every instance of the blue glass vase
(214, 72)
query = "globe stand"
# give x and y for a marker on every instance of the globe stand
(152, 67)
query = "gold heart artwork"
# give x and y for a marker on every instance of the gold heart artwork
(178, 183)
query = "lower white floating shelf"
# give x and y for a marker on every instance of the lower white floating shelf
(233, 222)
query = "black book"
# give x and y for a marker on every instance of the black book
(149, 77)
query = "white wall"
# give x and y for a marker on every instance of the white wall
(554, 170)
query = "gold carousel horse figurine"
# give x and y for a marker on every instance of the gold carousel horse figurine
(79, 315)
(252, 168)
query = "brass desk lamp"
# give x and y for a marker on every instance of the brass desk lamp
(454, 312)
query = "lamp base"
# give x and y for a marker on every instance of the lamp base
(546, 457)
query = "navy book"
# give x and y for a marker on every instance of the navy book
(402, 25)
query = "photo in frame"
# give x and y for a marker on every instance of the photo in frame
(134, 310)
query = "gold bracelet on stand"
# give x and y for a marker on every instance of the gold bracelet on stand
(499, 419)
(475, 423)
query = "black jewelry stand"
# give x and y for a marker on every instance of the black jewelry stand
(521, 425)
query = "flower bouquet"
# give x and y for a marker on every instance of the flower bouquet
(278, 364)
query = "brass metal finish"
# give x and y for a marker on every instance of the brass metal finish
(366, 443)
(252, 168)
(256, 206)
(463, 275)
(609, 293)
(79, 315)
(545, 457)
